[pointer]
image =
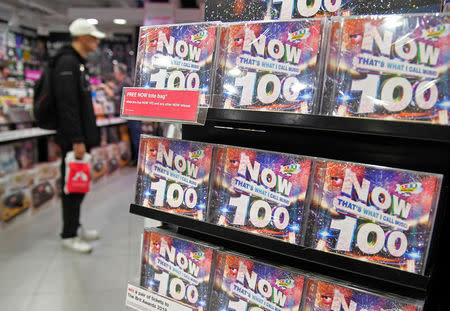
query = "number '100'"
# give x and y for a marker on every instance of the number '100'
(396, 93)
(175, 80)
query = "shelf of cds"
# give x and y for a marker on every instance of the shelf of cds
(180, 273)
(366, 224)
(319, 177)
(387, 67)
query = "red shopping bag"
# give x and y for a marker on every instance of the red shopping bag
(78, 174)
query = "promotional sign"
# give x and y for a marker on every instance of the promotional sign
(260, 192)
(324, 296)
(143, 300)
(175, 176)
(270, 65)
(247, 10)
(179, 269)
(389, 67)
(375, 214)
(242, 284)
(160, 104)
(175, 58)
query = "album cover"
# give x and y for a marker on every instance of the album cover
(326, 296)
(16, 198)
(392, 67)
(43, 191)
(360, 7)
(177, 57)
(375, 214)
(178, 268)
(241, 283)
(260, 192)
(125, 153)
(272, 66)
(174, 176)
(249, 10)
(99, 163)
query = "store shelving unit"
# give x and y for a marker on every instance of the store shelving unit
(36, 132)
(283, 253)
(24, 134)
(406, 145)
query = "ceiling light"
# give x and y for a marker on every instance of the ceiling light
(119, 21)
(92, 21)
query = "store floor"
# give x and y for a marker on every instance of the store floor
(37, 274)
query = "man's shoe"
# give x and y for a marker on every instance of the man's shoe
(77, 245)
(88, 235)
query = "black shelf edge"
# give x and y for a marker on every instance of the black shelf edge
(376, 277)
(402, 129)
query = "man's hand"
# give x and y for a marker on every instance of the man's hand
(79, 149)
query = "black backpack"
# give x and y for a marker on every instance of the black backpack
(44, 105)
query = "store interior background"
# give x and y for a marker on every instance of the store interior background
(35, 272)
(119, 19)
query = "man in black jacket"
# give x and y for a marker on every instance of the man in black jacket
(77, 129)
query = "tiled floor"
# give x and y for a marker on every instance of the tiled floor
(37, 274)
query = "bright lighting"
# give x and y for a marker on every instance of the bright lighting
(119, 21)
(92, 21)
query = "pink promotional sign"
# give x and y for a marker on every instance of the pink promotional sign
(156, 103)
(32, 75)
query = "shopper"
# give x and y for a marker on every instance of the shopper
(77, 129)
(134, 127)
(5, 72)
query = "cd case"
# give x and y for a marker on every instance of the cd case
(270, 66)
(260, 192)
(248, 10)
(375, 214)
(242, 283)
(392, 67)
(178, 268)
(174, 72)
(324, 295)
(173, 175)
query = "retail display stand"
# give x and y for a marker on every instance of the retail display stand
(376, 142)
(379, 143)
(250, 61)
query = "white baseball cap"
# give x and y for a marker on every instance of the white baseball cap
(81, 26)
